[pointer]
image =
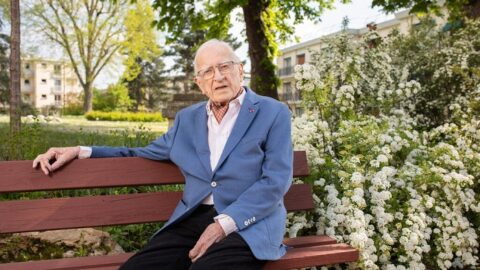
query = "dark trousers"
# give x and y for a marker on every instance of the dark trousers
(169, 249)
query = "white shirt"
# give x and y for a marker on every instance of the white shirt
(218, 134)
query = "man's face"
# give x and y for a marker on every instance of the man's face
(221, 87)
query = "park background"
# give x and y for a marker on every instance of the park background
(390, 122)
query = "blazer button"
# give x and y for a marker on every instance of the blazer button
(213, 184)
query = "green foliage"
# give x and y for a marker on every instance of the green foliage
(20, 249)
(276, 26)
(456, 8)
(140, 41)
(115, 98)
(125, 116)
(73, 104)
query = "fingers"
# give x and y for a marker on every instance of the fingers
(44, 161)
(197, 251)
(45, 166)
(212, 234)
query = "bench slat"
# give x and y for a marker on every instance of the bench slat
(308, 241)
(93, 211)
(113, 261)
(314, 256)
(18, 176)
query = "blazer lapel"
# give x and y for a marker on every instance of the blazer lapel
(245, 117)
(201, 140)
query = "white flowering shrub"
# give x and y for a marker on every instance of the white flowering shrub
(405, 195)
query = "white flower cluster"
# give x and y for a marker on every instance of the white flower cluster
(392, 200)
(394, 146)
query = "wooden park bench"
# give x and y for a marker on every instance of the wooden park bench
(105, 210)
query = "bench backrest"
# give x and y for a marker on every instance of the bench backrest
(105, 210)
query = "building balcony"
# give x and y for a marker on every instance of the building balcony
(290, 97)
(56, 90)
(26, 89)
(285, 71)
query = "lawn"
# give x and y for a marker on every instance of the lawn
(36, 138)
(79, 123)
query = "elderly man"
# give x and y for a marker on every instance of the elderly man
(236, 155)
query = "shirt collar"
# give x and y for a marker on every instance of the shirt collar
(238, 100)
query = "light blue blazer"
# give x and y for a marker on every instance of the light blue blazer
(252, 176)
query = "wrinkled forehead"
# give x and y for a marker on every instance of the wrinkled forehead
(211, 55)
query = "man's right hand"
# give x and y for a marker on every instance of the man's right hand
(61, 155)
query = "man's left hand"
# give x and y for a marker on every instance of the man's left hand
(212, 234)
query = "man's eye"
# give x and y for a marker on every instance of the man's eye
(223, 67)
(208, 72)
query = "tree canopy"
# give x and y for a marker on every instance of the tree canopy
(267, 23)
(88, 31)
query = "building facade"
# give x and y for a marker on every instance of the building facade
(301, 53)
(47, 84)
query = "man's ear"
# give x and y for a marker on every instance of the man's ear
(195, 80)
(242, 73)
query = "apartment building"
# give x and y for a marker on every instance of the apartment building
(45, 84)
(301, 53)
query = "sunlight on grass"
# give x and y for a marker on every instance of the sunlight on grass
(79, 123)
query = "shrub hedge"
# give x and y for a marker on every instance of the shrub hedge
(125, 116)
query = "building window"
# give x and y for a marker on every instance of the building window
(44, 81)
(301, 59)
(287, 91)
(58, 98)
(287, 62)
(298, 111)
(26, 82)
(57, 69)
(44, 96)
(58, 83)
(27, 66)
(44, 65)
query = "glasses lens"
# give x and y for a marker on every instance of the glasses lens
(223, 68)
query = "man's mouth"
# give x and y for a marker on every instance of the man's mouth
(220, 87)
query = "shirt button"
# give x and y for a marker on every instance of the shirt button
(213, 184)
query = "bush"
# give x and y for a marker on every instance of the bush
(399, 183)
(115, 98)
(125, 116)
(73, 104)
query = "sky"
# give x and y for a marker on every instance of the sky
(359, 13)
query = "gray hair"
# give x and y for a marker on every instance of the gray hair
(212, 43)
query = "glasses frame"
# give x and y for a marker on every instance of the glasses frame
(201, 73)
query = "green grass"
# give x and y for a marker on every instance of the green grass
(81, 124)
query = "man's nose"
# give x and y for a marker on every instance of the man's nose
(218, 76)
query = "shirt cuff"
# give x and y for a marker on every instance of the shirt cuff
(227, 223)
(85, 152)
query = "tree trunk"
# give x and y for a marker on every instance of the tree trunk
(15, 113)
(88, 101)
(264, 80)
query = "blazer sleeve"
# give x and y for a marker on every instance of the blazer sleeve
(263, 197)
(156, 150)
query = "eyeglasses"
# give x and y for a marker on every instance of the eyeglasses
(223, 68)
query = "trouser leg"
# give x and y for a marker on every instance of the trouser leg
(169, 249)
